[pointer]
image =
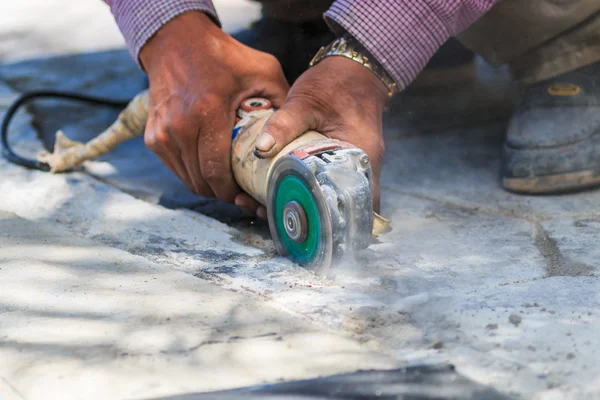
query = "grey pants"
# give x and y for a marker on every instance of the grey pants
(538, 39)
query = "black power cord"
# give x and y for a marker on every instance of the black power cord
(7, 150)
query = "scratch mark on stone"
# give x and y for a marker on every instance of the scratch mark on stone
(556, 263)
(213, 342)
(14, 389)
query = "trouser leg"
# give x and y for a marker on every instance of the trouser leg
(538, 39)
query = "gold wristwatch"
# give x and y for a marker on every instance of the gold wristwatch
(348, 47)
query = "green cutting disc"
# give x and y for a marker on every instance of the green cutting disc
(292, 182)
(292, 188)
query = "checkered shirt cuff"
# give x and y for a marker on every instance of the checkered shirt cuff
(404, 34)
(139, 20)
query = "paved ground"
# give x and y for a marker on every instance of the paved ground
(105, 282)
(37, 27)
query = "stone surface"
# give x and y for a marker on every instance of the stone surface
(449, 269)
(463, 257)
(38, 27)
(77, 314)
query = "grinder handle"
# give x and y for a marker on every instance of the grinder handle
(250, 171)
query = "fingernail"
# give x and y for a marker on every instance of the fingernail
(261, 212)
(265, 142)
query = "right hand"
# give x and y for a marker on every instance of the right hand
(338, 98)
(199, 76)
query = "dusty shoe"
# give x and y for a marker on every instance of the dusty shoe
(553, 141)
(293, 43)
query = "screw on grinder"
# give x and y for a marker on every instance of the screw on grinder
(318, 191)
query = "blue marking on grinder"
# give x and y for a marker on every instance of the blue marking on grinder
(235, 132)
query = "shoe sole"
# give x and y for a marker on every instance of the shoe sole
(564, 169)
(552, 184)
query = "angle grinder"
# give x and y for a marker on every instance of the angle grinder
(318, 191)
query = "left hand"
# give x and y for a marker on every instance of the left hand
(338, 98)
(198, 76)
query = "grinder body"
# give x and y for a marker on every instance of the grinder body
(318, 191)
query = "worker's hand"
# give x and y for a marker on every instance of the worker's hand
(338, 98)
(198, 76)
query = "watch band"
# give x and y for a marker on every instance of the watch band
(348, 47)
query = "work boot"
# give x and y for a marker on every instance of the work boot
(553, 141)
(294, 44)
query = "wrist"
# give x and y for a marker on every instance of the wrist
(174, 37)
(356, 79)
(349, 48)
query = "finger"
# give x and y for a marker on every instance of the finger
(246, 203)
(158, 141)
(184, 130)
(270, 83)
(192, 165)
(261, 212)
(285, 125)
(214, 152)
(177, 167)
(277, 92)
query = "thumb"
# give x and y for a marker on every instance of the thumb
(285, 125)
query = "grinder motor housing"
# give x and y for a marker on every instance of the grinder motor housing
(318, 191)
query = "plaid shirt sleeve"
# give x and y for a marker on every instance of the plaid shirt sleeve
(138, 20)
(404, 34)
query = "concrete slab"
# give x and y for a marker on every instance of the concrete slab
(463, 258)
(503, 286)
(40, 28)
(571, 245)
(82, 320)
